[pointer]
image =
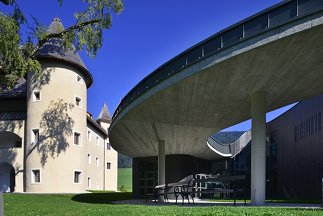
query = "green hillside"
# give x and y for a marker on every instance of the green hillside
(125, 178)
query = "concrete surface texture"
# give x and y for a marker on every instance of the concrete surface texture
(216, 92)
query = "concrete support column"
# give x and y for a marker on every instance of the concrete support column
(161, 165)
(258, 149)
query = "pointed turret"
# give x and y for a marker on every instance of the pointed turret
(53, 50)
(105, 115)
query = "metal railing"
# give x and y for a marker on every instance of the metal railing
(273, 17)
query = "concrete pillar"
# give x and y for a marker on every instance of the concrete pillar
(1, 204)
(161, 165)
(258, 149)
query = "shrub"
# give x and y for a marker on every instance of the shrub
(123, 188)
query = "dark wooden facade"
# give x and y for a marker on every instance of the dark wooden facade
(298, 137)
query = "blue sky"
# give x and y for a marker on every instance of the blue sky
(147, 34)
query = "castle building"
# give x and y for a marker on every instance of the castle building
(49, 143)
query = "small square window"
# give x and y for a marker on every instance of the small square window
(108, 146)
(78, 101)
(35, 136)
(36, 176)
(77, 177)
(36, 96)
(77, 138)
(108, 165)
(78, 79)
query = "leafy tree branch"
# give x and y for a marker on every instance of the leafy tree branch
(17, 57)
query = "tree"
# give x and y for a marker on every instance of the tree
(18, 55)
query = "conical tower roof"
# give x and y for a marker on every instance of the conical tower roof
(53, 50)
(105, 115)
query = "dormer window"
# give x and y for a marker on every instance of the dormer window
(36, 96)
(78, 102)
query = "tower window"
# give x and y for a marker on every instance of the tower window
(77, 138)
(77, 177)
(35, 176)
(78, 102)
(79, 79)
(108, 146)
(108, 165)
(36, 96)
(35, 136)
(97, 141)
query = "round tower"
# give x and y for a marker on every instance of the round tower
(56, 120)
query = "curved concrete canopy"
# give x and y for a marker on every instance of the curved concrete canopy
(215, 93)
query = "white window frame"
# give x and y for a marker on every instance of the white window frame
(34, 97)
(80, 178)
(97, 161)
(33, 177)
(81, 101)
(81, 139)
(32, 138)
(89, 182)
(89, 159)
(89, 135)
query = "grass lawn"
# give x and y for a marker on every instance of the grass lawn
(125, 178)
(100, 204)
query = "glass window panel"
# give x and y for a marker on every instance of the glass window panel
(212, 45)
(232, 36)
(283, 14)
(309, 6)
(256, 25)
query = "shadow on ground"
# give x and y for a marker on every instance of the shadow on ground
(101, 198)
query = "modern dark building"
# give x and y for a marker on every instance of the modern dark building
(294, 157)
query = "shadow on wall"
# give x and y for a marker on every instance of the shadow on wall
(38, 81)
(55, 127)
(101, 197)
(9, 156)
(10, 125)
(41, 79)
